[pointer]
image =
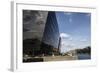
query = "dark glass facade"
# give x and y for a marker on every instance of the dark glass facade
(40, 33)
(33, 28)
(50, 41)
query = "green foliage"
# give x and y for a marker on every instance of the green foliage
(84, 50)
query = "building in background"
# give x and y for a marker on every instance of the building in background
(59, 46)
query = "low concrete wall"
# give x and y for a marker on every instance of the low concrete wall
(59, 58)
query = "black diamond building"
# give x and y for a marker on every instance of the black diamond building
(40, 33)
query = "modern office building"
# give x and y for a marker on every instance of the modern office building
(50, 41)
(40, 33)
(33, 28)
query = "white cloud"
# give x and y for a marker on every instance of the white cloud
(64, 35)
(66, 46)
(70, 39)
(66, 42)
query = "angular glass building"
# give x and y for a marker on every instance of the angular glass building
(40, 33)
(50, 40)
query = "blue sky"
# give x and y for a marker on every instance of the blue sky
(75, 29)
